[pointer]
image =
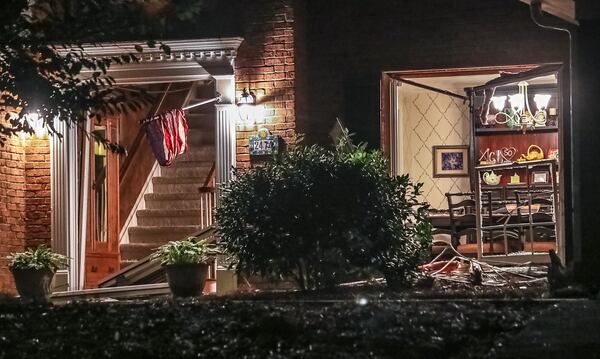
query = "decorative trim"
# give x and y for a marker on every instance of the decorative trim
(189, 60)
(181, 50)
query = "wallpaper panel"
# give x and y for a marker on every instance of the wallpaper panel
(430, 119)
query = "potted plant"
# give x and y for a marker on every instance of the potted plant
(33, 271)
(186, 264)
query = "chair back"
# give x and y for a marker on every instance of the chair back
(541, 198)
(461, 208)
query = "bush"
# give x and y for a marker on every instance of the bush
(320, 216)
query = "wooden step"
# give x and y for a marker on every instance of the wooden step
(198, 137)
(187, 169)
(159, 235)
(174, 200)
(169, 217)
(136, 251)
(177, 184)
(198, 153)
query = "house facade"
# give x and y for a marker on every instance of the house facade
(306, 62)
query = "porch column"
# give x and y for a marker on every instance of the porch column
(64, 203)
(225, 141)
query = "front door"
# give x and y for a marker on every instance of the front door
(102, 243)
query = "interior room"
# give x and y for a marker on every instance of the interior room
(486, 147)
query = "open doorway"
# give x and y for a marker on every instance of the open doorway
(485, 143)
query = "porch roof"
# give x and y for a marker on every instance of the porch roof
(189, 60)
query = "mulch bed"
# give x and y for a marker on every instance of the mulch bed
(351, 323)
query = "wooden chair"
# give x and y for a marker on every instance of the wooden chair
(497, 241)
(541, 237)
(461, 208)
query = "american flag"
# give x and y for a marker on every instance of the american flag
(167, 133)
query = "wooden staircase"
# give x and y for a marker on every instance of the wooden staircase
(182, 197)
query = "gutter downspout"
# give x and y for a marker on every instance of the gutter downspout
(535, 11)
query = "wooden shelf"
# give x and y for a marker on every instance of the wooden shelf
(489, 131)
(514, 186)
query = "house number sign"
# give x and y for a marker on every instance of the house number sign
(263, 143)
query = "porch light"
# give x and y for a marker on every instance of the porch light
(36, 123)
(246, 106)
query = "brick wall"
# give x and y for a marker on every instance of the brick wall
(24, 199)
(37, 192)
(12, 206)
(350, 43)
(265, 65)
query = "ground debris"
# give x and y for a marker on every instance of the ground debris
(452, 268)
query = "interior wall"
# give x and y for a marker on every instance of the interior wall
(428, 119)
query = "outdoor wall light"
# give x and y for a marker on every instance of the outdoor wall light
(246, 106)
(36, 123)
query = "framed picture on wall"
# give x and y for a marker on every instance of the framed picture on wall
(450, 161)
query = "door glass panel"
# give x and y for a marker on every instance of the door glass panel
(100, 188)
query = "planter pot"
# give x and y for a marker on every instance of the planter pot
(33, 284)
(186, 280)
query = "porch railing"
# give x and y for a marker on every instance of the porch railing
(208, 198)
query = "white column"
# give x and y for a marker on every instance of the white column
(64, 199)
(225, 139)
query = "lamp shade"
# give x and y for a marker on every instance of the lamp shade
(517, 100)
(541, 100)
(498, 102)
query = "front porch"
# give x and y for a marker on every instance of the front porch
(111, 211)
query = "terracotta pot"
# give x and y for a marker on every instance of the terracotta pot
(33, 284)
(186, 280)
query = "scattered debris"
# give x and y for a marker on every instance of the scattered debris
(452, 266)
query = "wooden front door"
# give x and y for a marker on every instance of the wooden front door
(102, 244)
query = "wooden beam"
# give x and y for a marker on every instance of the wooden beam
(563, 9)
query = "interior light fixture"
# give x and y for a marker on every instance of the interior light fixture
(518, 114)
(541, 102)
(499, 102)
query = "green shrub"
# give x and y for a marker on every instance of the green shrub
(188, 251)
(41, 257)
(321, 216)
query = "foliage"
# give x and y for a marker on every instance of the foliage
(319, 215)
(281, 328)
(39, 258)
(188, 251)
(44, 68)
